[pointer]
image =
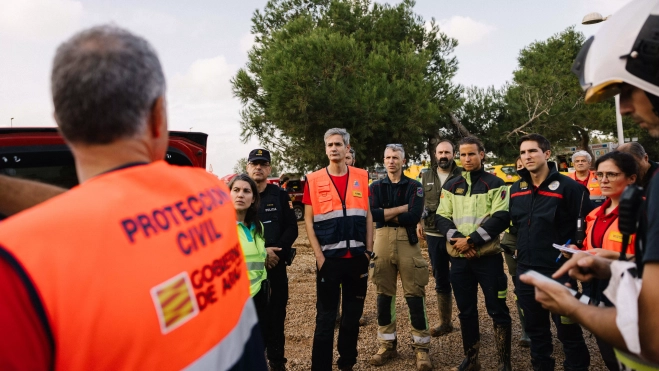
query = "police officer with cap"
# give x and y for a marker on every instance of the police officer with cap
(621, 59)
(280, 228)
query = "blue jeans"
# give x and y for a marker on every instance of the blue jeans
(466, 275)
(538, 329)
(439, 260)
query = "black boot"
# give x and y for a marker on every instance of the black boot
(543, 366)
(524, 340)
(502, 336)
(471, 362)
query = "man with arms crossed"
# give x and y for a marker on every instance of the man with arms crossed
(280, 231)
(472, 213)
(442, 171)
(397, 205)
(340, 228)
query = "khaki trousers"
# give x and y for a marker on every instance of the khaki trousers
(395, 255)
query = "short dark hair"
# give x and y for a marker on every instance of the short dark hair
(472, 140)
(252, 214)
(543, 143)
(104, 83)
(623, 161)
(445, 141)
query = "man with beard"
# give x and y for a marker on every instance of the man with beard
(620, 59)
(442, 171)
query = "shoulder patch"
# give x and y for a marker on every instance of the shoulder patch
(554, 185)
(460, 191)
(523, 185)
(419, 191)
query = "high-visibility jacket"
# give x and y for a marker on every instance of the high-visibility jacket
(474, 204)
(612, 236)
(339, 225)
(253, 246)
(137, 269)
(593, 185)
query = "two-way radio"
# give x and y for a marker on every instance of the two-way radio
(580, 234)
(628, 214)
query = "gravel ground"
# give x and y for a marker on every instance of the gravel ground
(446, 351)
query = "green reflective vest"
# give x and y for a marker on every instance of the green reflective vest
(253, 247)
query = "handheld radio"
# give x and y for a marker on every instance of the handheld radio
(628, 214)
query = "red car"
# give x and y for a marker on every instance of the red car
(41, 154)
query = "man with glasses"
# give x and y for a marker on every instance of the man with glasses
(397, 205)
(340, 228)
(280, 231)
(472, 213)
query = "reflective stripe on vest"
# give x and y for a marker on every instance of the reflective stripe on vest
(612, 236)
(255, 255)
(338, 228)
(137, 269)
(225, 354)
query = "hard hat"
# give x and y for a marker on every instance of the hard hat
(624, 50)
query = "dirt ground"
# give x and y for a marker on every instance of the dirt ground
(446, 351)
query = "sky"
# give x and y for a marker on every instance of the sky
(201, 45)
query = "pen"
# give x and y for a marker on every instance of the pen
(561, 253)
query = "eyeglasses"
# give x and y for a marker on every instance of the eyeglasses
(260, 163)
(608, 175)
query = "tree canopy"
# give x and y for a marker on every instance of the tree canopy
(377, 70)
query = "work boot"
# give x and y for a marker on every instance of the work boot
(423, 360)
(471, 362)
(524, 340)
(502, 335)
(384, 354)
(445, 306)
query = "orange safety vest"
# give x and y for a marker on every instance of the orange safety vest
(137, 269)
(339, 227)
(612, 236)
(593, 185)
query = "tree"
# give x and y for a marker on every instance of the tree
(240, 165)
(546, 98)
(377, 70)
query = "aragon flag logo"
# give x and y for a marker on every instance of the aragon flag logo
(175, 302)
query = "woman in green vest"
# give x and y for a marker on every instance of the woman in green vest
(245, 198)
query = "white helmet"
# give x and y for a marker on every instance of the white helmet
(624, 50)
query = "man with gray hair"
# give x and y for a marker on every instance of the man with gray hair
(583, 175)
(397, 206)
(112, 279)
(340, 229)
(647, 168)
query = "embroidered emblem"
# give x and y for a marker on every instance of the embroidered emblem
(554, 185)
(175, 302)
(523, 185)
(419, 191)
(355, 184)
(460, 191)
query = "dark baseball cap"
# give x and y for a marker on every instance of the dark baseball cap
(259, 155)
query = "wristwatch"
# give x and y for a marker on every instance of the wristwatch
(370, 254)
(470, 242)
